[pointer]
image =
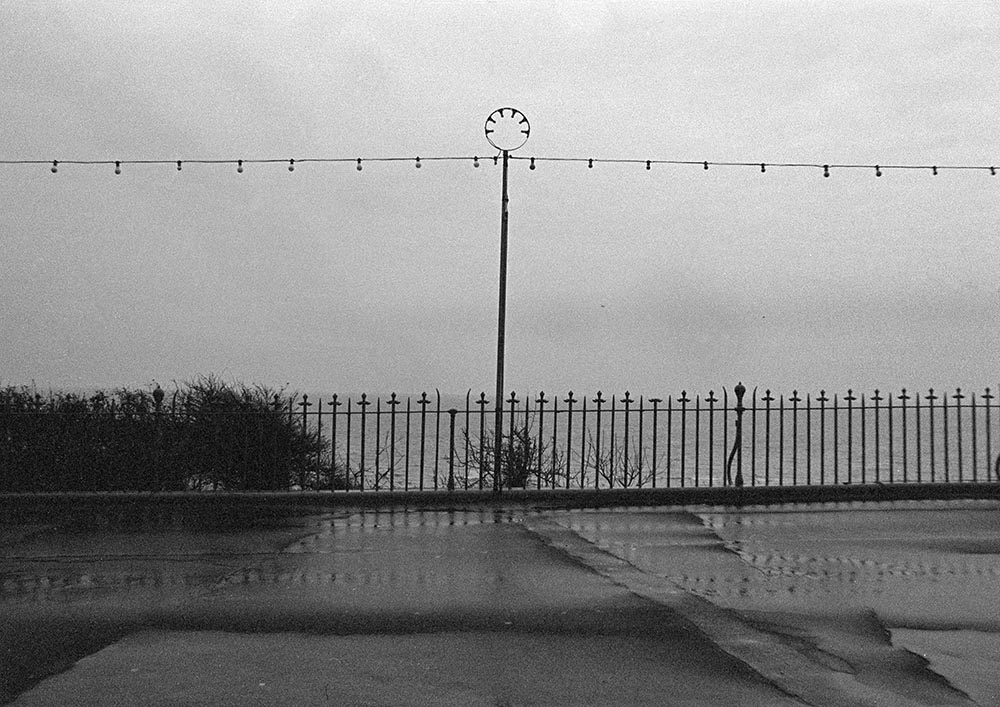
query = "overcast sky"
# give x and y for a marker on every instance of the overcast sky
(330, 279)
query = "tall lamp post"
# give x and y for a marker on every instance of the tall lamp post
(507, 130)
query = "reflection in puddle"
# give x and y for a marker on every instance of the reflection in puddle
(146, 563)
(23, 586)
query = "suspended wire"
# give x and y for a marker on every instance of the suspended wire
(762, 166)
(826, 168)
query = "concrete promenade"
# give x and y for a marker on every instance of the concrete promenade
(841, 603)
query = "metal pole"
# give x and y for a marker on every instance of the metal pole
(506, 133)
(501, 326)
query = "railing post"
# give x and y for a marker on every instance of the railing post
(451, 449)
(423, 403)
(569, 400)
(656, 411)
(697, 438)
(850, 398)
(319, 442)
(916, 424)
(836, 439)
(541, 424)
(822, 436)
(513, 401)
(944, 424)
(781, 439)
(393, 402)
(903, 397)
(406, 448)
(305, 405)
(437, 438)
(641, 448)
(958, 397)
(584, 455)
(378, 437)
(627, 402)
(712, 400)
(930, 397)
(987, 396)
(599, 400)
(683, 400)
(670, 427)
(737, 451)
(892, 458)
(768, 399)
(611, 453)
(972, 405)
(482, 402)
(809, 416)
(864, 471)
(363, 404)
(753, 438)
(468, 413)
(555, 440)
(347, 446)
(795, 400)
(878, 456)
(334, 404)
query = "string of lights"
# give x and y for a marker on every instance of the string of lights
(240, 164)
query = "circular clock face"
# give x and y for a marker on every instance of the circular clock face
(507, 129)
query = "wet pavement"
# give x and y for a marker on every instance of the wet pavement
(833, 604)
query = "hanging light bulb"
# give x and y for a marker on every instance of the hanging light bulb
(291, 165)
(55, 166)
(878, 171)
(118, 167)
(239, 166)
(359, 164)
(590, 163)
(993, 171)
(647, 164)
(178, 165)
(475, 161)
(705, 164)
(763, 167)
(532, 165)
(418, 163)
(495, 158)
(826, 170)
(934, 171)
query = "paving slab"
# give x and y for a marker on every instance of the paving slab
(839, 584)
(380, 607)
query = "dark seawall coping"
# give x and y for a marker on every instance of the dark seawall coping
(220, 504)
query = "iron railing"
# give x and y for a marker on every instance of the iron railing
(429, 442)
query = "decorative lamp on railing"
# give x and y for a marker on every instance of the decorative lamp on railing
(737, 450)
(158, 440)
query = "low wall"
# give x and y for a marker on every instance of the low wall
(240, 507)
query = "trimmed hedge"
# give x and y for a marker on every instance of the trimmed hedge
(205, 435)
